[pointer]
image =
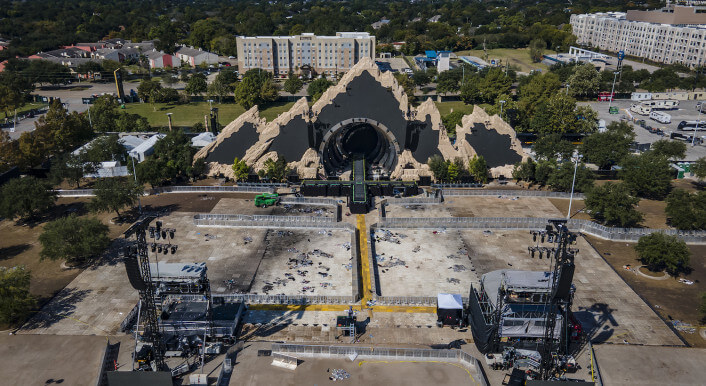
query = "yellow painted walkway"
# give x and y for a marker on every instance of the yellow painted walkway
(367, 287)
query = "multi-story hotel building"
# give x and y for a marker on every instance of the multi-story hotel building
(674, 34)
(305, 53)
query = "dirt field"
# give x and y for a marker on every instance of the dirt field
(670, 298)
(653, 211)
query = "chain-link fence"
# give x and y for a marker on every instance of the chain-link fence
(414, 200)
(427, 301)
(308, 201)
(75, 192)
(509, 193)
(273, 299)
(389, 353)
(586, 226)
(260, 221)
(217, 189)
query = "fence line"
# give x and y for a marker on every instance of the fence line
(260, 221)
(510, 193)
(429, 301)
(387, 353)
(274, 299)
(414, 200)
(217, 189)
(75, 192)
(586, 226)
(308, 201)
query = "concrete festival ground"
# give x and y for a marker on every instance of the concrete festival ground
(96, 300)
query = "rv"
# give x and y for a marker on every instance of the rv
(640, 109)
(661, 117)
(691, 125)
(661, 104)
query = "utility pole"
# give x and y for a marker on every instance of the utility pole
(612, 90)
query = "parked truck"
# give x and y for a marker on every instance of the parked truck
(266, 199)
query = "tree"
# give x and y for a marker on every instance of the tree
(439, 168)
(452, 120)
(662, 252)
(609, 147)
(148, 90)
(673, 150)
(562, 178)
(536, 50)
(255, 88)
(478, 169)
(317, 88)
(72, 167)
(293, 84)
(553, 147)
(167, 34)
(702, 307)
(613, 204)
(585, 81)
(241, 170)
(15, 299)
(686, 211)
(647, 175)
(56, 132)
(73, 239)
(106, 148)
(275, 170)
(448, 81)
(114, 194)
(494, 83)
(406, 84)
(223, 85)
(106, 114)
(524, 171)
(452, 171)
(196, 84)
(699, 168)
(421, 78)
(25, 198)
(14, 91)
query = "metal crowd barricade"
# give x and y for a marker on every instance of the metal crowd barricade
(309, 201)
(74, 192)
(218, 189)
(507, 192)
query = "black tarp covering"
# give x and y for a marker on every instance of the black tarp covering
(426, 143)
(493, 146)
(483, 334)
(234, 146)
(293, 139)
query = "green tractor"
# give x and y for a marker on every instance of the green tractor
(266, 199)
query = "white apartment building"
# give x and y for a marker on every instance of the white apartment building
(674, 34)
(304, 54)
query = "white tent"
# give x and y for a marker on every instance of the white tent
(449, 301)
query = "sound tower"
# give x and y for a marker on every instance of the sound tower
(132, 267)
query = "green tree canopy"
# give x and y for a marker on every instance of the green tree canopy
(241, 170)
(562, 177)
(72, 167)
(25, 198)
(196, 84)
(16, 302)
(613, 204)
(647, 175)
(439, 168)
(275, 170)
(671, 149)
(478, 169)
(699, 168)
(524, 171)
(686, 210)
(559, 114)
(74, 239)
(317, 88)
(106, 148)
(293, 84)
(173, 159)
(451, 120)
(107, 116)
(114, 194)
(421, 78)
(662, 252)
(256, 88)
(584, 81)
(609, 147)
(553, 147)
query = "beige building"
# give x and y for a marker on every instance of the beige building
(305, 53)
(674, 34)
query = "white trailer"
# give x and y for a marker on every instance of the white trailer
(641, 96)
(641, 109)
(664, 104)
(661, 117)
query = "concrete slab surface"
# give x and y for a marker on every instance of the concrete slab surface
(649, 365)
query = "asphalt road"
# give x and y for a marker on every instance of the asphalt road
(686, 112)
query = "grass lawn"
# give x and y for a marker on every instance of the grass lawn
(518, 57)
(446, 107)
(188, 115)
(27, 107)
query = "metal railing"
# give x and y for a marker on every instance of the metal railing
(429, 301)
(264, 184)
(275, 299)
(129, 320)
(406, 354)
(586, 226)
(459, 185)
(216, 189)
(414, 200)
(260, 221)
(510, 193)
(308, 201)
(595, 372)
(74, 192)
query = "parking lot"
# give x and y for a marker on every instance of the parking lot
(686, 112)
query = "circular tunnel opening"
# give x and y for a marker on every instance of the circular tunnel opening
(360, 141)
(357, 140)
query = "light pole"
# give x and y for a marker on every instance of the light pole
(210, 101)
(134, 174)
(612, 90)
(573, 183)
(169, 117)
(502, 102)
(698, 120)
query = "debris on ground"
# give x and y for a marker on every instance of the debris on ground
(339, 375)
(417, 249)
(458, 268)
(683, 327)
(453, 280)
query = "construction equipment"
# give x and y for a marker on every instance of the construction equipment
(266, 199)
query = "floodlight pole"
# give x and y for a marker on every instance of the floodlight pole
(698, 120)
(134, 174)
(573, 183)
(612, 90)
(501, 109)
